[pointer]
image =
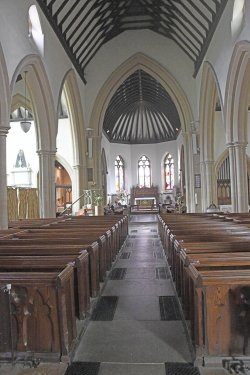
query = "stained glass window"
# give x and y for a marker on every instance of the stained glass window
(119, 174)
(169, 172)
(144, 171)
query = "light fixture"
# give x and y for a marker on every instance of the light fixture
(25, 124)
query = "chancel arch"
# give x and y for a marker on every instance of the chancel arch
(142, 62)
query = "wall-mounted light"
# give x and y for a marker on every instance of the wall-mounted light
(89, 153)
(25, 124)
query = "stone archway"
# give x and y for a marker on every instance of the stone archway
(236, 111)
(210, 95)
(72, 94)
(152, 67)
(4, 127)
(45, 119)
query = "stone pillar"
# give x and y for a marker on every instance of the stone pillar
(241, 176)
(78, 186)
(232, 160)
(3, 179)
(189, 172)
(210, 182)
(203, 186)
(97, 154)
(47, 199)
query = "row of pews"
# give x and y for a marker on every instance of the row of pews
(209, 258)
(49, 270)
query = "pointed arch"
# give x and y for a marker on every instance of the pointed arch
(210, 92)
(210, 97)
(119, 174)
(19, 100)
(75, 113)
(70, 88)
(152, 67)
(238, 93)
(41, 100)
(156, 70)
(43, 110)
(168, 165)
(236, 115)
(4, 127)
(5, 96)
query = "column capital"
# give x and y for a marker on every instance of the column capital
(4, 130)
(46, 152)
(239, 144)
(208, 162)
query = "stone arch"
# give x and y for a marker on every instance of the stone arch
(4, 93)
(43, 110)
(18, 100)
(152, 67)
(41, 100)
(236, 111)
(210, 92)
(79, 180)
(4, 127)
(65, 164)
(238, 93)
(76, 115)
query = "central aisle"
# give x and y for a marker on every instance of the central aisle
(136, 326)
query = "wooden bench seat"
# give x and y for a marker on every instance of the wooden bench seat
(53, 247)
(45, 263)
(41, 322)
(217, 305)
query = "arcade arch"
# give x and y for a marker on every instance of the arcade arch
(150, 66)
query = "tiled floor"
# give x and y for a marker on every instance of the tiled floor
(135, 341)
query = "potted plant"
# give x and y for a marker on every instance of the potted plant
(97, 201)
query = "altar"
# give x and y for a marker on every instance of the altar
(145, 201)
(144, 195)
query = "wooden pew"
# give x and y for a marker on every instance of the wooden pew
(211, 269)
(39, 313)
(217, 308)
(57, 247)
(45, 263)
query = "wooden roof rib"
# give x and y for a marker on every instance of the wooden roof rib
(140, 111)
(85, 26)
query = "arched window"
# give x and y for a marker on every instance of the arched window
(119, 174)
(144, 171)
(168, 172)
(35, 29)
(237, 21)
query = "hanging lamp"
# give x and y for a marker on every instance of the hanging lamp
(25, 124)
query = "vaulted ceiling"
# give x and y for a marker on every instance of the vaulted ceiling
(140, 111)
(85, 26)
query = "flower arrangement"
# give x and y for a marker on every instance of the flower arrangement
(97, 197)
